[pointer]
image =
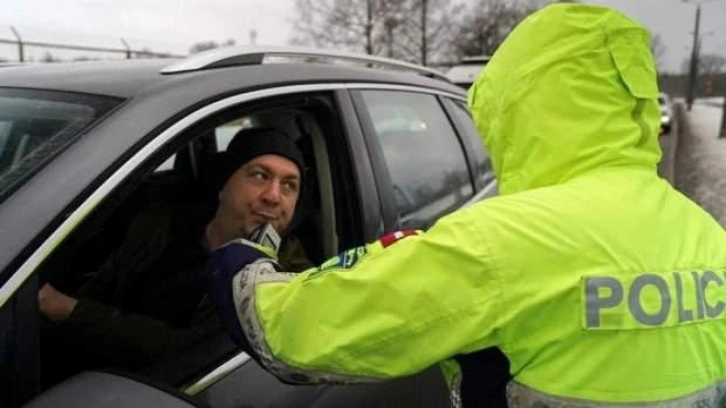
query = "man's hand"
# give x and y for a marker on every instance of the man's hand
(223, 265)
(55, 305)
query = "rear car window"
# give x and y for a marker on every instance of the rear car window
(37, 124)
(425, 159)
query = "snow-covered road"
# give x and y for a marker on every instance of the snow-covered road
(700, 165)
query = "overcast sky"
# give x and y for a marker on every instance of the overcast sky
(174, 25)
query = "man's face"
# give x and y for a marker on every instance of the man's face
(264, 190)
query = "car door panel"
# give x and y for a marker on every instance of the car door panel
(109, 390)
(252, 386)
(249, 385)
(425, 390)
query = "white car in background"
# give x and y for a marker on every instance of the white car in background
(468, 69)
(666, 113)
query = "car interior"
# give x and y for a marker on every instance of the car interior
(183, 172)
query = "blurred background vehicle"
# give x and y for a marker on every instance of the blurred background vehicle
(468, 69)
(666, 113)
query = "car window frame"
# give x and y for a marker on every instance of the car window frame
(486, 186)
(375, 150)
(379, 167)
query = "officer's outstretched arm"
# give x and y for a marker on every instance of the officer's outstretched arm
(391, 308)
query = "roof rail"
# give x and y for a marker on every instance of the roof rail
(255, 55)
(475, 59)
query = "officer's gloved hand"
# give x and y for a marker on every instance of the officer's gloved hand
(223, 265)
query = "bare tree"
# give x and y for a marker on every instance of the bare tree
(412, 30)
(145, 53)
(353, 24)
(429, 31)
(711, 64)
(707, 64)
(487, 23)
(208, 45)
(48, 57)
(422, 31)
(202, 46)
(657, 48)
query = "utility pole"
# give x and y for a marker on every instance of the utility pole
(390, 24)
(21, 53)
(369, 27)
(722, 134)
(128, 49)
(424, 31)
(693, 73)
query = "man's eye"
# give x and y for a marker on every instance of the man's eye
(290, 186)
(259, 175)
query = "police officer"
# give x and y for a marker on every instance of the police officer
(600, 283)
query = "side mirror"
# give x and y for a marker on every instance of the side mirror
(108, 390)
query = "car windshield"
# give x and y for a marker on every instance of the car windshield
(37, 124)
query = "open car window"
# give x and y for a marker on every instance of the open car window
(154, 223)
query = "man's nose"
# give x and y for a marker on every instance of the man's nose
(272, 193)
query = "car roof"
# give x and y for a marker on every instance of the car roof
(121, 78)
(127, 78)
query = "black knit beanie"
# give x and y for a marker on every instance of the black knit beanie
(253, 142)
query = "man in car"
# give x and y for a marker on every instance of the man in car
(599, 283)
(146, 302)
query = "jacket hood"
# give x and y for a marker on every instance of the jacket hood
(572, 89)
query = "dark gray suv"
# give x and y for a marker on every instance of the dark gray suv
(86, 146)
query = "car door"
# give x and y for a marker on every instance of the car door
(358, 220)
(230, 378)
(165, 168)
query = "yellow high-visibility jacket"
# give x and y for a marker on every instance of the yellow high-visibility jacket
(598, 281)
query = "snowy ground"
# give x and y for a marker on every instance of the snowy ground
(668, 144)
(700, 162)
